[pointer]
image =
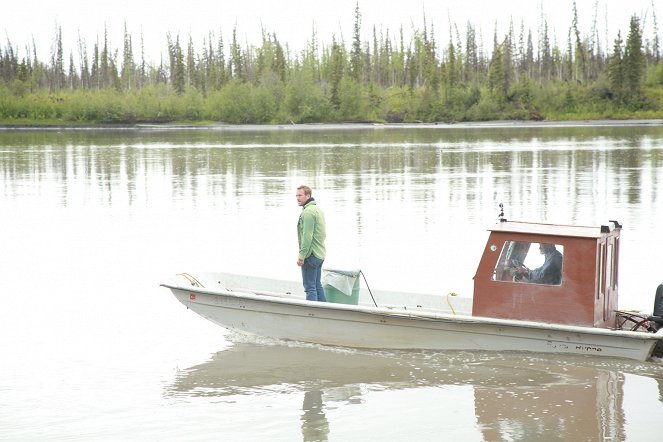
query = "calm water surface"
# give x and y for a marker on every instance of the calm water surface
(94, 220)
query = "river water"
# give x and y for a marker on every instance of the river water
(93, 220)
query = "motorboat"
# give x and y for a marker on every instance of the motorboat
(524, 299)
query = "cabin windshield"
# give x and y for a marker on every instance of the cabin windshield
(530, 262)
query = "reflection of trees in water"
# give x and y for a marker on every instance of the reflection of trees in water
(405, 164)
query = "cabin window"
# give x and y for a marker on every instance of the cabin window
(601, 291)
(530, 262)
(609, 269)
(609, 287)
(615, 266)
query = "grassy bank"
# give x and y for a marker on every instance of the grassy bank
(246, 104)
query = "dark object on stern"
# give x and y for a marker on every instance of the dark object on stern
(657, 319)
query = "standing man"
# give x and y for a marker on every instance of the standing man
(311, 237)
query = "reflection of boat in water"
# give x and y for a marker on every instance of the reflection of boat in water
(512, 308)
(278, 365)
(575, 401)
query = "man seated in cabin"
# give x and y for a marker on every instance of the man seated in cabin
(551, 270)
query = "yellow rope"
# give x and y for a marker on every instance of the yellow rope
(448, 302)
(194, 282)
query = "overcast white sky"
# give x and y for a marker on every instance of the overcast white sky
(293, 20)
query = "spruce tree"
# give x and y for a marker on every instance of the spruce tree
(634, 59)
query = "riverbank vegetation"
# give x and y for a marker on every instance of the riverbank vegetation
(384, 79)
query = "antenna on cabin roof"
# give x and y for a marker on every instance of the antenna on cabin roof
(501, 215)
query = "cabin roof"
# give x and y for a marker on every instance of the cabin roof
(553, 229)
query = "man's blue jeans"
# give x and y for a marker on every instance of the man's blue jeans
(312, 274)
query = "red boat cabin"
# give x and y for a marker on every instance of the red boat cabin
(549, 273)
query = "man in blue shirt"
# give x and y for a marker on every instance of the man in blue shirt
(551, 270)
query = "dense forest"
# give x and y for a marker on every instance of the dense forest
(383, 79)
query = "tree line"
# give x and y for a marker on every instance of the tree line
(383, 79)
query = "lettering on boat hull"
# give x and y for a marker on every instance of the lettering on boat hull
(560, 346)
(589, 348)
(557, 345)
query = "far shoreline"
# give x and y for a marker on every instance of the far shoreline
(497, 124)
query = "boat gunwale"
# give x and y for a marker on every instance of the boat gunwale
(404, 313)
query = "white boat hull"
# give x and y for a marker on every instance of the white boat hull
(290, 317)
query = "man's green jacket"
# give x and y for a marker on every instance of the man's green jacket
(311, 231)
